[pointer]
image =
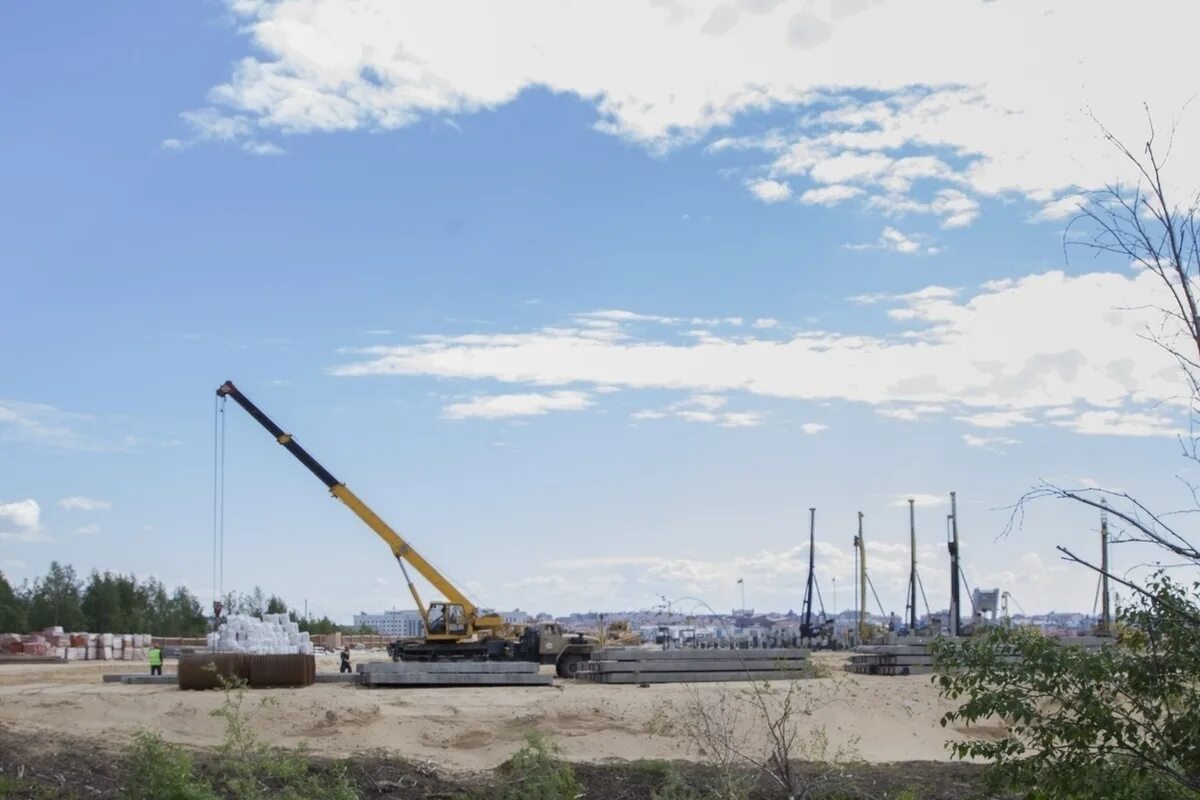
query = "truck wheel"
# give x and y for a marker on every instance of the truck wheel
(568, 665)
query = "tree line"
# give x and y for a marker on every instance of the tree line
(114, 603)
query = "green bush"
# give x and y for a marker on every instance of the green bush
(537, 773)
(160, 771)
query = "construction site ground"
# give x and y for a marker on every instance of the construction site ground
(885, 719)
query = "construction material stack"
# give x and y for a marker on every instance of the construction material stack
(910, 658)
(55, 643)
(638, 665)
(451, 673)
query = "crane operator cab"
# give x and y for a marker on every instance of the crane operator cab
(447, 620)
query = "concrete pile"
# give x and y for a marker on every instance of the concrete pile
(912, 656)
(891, 659)
(640, 665)
(56, 643)
(274, 634)
(452, 673)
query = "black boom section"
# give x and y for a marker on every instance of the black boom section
(227, 389)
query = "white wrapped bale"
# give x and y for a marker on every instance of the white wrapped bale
(106, 640)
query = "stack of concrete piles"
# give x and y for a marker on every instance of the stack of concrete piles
(912, 656)
(641, 665)
(451, 673)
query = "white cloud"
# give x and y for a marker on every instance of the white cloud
(970, 440)
(992, 358)
(764, 323)
(895, 241)
(703, 408)
(22, 519)
(812, 428)
(500, 406)
(997, 419)
(770, 191)
(830, 195)
(84, 504)
(959, 115)
(1122, 423)
(1062, 208)
(958, 209)
(45, 425)
(88, 530)
(921, 500)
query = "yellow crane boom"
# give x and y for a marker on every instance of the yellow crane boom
(457, 617)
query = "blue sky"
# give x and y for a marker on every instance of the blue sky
(591, 330)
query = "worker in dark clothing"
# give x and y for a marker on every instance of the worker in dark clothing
(345, 659)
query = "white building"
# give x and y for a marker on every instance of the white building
(401, 624)
(515, 617)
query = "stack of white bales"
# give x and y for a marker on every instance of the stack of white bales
(273, 634)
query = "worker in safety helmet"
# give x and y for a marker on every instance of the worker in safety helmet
(345, 654)
(154, 656)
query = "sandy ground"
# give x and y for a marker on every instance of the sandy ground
(884, 718)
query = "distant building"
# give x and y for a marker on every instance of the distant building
(515, 617)
(401, 624)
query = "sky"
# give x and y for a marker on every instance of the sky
(593, 302)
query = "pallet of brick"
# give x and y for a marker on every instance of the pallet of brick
(639, 665)
(452, 673)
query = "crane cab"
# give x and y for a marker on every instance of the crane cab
(447, 622)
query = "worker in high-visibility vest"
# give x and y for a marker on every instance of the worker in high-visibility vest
(154, 655)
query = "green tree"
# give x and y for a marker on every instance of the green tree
(55, 600)
(276, 606)
(12, 609)
(1121, 722)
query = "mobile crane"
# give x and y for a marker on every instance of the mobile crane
(455, 628)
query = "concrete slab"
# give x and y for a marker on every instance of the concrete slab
(449, 667)
(155, 680)
(638, 654)
(681, 665)
(395, 679)
(337, 677)
(698, 677)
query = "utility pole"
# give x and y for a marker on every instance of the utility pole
(1106, 611)
(912, 577)
(806, 628)
(955, 607)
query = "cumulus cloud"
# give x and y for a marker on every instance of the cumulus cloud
(703, 408)
(812, 428)
(971, 440)
(830, 195)
(895, 241)
(960, 117)
(992, 358)
(84, 504)
(770, 191)
(500, 406)
(21, 521)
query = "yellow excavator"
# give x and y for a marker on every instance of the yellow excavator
(455, 628)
